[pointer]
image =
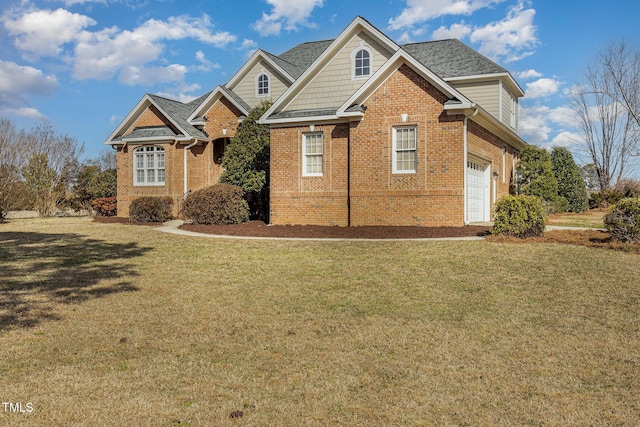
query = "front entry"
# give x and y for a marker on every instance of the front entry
(478, 183)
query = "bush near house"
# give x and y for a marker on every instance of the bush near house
(571, 186)
(150, 209)
(519, 216)
(105, 206)
(623, 220)
(218, 204)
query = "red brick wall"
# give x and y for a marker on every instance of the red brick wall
(432, 196)
(201, 168)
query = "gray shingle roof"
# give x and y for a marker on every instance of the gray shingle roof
(152, 132)
(452, 58)
(303, 55)
(180, 112)
(303, 113)
(231, 94)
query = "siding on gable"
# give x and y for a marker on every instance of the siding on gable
(506, 107)
(485, 94)
(333, 85)
(246, 88)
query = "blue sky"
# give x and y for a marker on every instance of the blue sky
(81, 65)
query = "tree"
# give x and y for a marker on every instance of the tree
(538, 178)
(51, 168)
(12, 158)
(246, 161)
(571, 186)
(607, 105)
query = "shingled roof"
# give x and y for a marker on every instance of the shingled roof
(452, 58)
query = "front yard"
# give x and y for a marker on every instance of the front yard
(111, 324)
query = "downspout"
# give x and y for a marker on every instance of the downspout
(464, 166)
(186, 149)
(349, 177)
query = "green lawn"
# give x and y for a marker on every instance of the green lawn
(108, 324)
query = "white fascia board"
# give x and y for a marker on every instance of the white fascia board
(515, 87)
(357, 25)
(300, 121)
(150, 139)
(252, 62)
(129, 119)
(214, 96)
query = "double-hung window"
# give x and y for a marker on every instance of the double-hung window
(404, 149)
(312, 154)
(148, 166)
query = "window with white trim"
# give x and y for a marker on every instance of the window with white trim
(405, 149)
(148, 166)
(263, 85)
(312, 154)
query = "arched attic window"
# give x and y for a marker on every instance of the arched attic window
(262, 85)
(361, 59)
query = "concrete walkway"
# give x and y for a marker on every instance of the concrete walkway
(172, 228)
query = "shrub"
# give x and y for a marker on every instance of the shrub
(150, 209)
(105, 206)
(219, 204)
(519, 216)
(558, 204)
(623, 220)
(538, 178)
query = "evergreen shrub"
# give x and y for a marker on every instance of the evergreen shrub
(218, 204)
(150, 209)
(519, 216)
(623, 220)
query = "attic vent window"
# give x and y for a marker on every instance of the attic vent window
(263, 85)
(362, 63)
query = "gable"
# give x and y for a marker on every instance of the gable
(335, 83)
(245, 87)
(151, 117)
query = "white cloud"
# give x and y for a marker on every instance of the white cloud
(539, 122)
(528, 74)
(511, 38)
(419, 11)
(287, 14)
(103, 54)
(44, 32)
(456, 31)
(151, 75)
(541, 88)
(566, 139)
(17, 82)
(182, 92)
(205, 64)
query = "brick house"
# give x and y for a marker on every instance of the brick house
(363, 132)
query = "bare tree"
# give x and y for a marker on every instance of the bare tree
(606, 105)
(12, 158)
(51, 167)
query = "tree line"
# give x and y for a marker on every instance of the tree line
(41, 170)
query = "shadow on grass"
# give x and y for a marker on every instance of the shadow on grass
(40, 271)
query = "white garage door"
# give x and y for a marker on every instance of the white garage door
(477, 191)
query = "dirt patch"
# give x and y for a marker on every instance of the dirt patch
(260, 229)
(589, 238)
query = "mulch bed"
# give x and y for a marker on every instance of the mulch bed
(260, 229)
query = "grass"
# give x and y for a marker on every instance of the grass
(108, 324)
(592, 219)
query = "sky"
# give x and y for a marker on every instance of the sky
(82, 65)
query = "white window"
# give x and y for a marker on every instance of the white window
(312, 154)
(148, 166)
(263, 85)
(361, 61)
(404, 149)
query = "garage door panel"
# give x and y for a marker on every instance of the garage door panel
(477, 192)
